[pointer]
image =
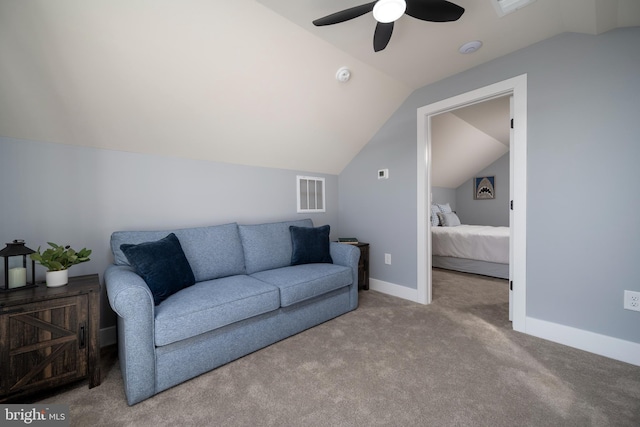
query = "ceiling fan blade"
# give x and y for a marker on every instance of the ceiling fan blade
(434, 10)
(344, 15)
(382, 35)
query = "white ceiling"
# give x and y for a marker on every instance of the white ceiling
(467, 140)
(242, 81)
(422, 52)
(490, 117)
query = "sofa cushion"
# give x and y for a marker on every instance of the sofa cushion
(212, 304)
(310, 245)
(162, 265)
(268, 246)
(301, 282)
(213, 252)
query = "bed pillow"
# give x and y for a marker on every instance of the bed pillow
(449, 219)
(435, 210)
(310, 245)
(444, 207)
(162, 264)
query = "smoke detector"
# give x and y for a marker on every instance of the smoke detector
(343, 75)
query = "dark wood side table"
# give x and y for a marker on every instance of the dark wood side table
(49, 337)
(363, 266)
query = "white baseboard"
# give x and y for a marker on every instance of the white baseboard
(603, 345)
(108, 336)
(394, 290)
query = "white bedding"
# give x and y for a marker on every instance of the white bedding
(480, 242)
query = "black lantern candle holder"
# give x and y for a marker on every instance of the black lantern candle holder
(15, 277)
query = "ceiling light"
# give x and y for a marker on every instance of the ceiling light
(386, 11)
(470, 47)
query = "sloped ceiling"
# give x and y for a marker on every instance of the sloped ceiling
(490, 117)
(421, 53)
(241, 81)
(467, 140)
(227, 81)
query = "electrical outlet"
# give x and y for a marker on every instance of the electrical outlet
(387, 259)
(632, 300)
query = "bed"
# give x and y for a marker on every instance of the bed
(477, 249)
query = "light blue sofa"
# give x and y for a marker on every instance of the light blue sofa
(246, 296)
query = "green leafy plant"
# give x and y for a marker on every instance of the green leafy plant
(59, 257)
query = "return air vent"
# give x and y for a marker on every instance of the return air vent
(311, 192)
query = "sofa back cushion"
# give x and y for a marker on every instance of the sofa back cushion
(212, 252)
(268, 246)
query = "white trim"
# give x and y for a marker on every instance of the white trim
(516, 86)
(393, 289)
(108, 336)
(603, 345)
(424, 207)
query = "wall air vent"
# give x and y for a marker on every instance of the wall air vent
(504, 7)
(310, 191)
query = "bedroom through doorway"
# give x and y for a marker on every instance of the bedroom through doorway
(470, 176)
(428, 116)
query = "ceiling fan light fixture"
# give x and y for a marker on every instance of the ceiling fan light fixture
(386, 11)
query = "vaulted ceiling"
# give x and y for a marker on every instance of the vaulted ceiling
(242, 81)
(467, 140)
(422, 52)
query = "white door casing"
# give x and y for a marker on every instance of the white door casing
(517, 87)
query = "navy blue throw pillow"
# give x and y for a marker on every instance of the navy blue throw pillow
(310, 245)
(162, 265)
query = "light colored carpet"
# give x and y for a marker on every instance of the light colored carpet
(456, 362)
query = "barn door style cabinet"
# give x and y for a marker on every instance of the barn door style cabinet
(49, 337)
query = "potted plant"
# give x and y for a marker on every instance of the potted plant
(57, 259)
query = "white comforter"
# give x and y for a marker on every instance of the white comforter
(480, 242)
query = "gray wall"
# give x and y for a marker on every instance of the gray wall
(79, 196)
(444, 195)
(583, 232)
(486, 212)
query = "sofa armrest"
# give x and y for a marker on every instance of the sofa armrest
(349, 256)
(131, 299)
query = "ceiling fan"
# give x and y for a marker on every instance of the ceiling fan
(388, 11)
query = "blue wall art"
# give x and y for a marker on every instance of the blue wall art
(484, 187)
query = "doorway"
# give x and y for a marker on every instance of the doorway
(515, 87)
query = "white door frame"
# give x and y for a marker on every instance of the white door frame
(517, 87)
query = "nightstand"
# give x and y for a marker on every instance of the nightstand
(363, 266)
(49, 336)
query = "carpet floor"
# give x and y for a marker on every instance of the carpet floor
(391, 362)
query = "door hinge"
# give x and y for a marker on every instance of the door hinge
(511, 285)
(511, 205)
(511, 123)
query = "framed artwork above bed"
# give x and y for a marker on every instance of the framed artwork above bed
(484, 187)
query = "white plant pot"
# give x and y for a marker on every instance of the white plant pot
(57, 278)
